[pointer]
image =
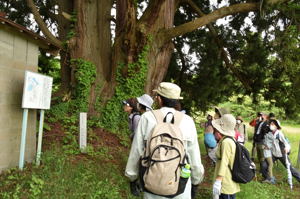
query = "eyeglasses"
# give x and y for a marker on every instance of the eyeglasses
(125, 104)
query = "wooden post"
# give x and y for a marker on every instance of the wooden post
(82, 132)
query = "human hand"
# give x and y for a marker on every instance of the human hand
(135, 188)
(217, 187)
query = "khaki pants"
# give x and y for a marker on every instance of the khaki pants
(270, 166)
(260, 152)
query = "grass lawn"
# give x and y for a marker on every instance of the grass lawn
(100, 174)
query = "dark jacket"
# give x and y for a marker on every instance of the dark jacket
(261, 129)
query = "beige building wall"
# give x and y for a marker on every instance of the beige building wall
(17, 54)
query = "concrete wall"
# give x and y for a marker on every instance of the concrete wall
(17, 54)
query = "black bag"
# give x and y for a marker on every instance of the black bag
(243, 170)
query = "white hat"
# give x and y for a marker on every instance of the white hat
(145, 100)
(225, 125)
(169, 90)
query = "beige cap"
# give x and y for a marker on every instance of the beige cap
(169, 90)
(225, 125)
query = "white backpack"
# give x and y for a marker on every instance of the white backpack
(163, 158)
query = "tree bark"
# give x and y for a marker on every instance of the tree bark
(92, 42)
(160, 52)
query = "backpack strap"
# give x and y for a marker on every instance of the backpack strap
(158, 116)
(132, 119)
(178, 117)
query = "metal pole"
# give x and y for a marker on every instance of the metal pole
(23, 138)
(40, 138)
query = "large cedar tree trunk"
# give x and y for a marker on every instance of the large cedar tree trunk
(132, 35)
(92, 42)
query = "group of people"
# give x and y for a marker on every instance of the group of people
(135, 107)
(270, 145)
(178, 128)
(157, 136)
(210, 139)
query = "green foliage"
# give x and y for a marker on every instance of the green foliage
(49, 65)
(245, 107)
(67, 112)
(61, 176)
(262, 47)
(85, 74)
(130, 85)
(36, 186)
(257, 190)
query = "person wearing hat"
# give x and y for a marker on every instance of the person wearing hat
(276, 147)
(130, 106)
(260, 130)
(220, 111)
(167, 96)
(210, 141)
(241, 128)
(224, 186)
(144, 103)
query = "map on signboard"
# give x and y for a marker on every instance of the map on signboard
(37, 91)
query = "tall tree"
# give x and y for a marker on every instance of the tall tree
(137, 24)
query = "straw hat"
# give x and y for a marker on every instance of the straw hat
(169, 90)
(222, 110)
(225, 125)
(145, 100)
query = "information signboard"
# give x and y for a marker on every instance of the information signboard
(37, 91)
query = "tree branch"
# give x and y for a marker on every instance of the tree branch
(225, 54)
(151, 12)
(171, 33)
(42, 24)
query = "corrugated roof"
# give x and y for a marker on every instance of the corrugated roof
(29, 33)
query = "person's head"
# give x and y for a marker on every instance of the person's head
(178, 106)
(274, 125)
(144, 103)
(271, 116)
(168, 94)
(210, 115)
(239, 119)
(130, 105)
(224, 126)
(220, 111)
(259, 114)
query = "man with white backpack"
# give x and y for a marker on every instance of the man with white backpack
(165, 153)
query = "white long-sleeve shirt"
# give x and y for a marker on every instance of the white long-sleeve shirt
(188, 129)
(272, 142)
